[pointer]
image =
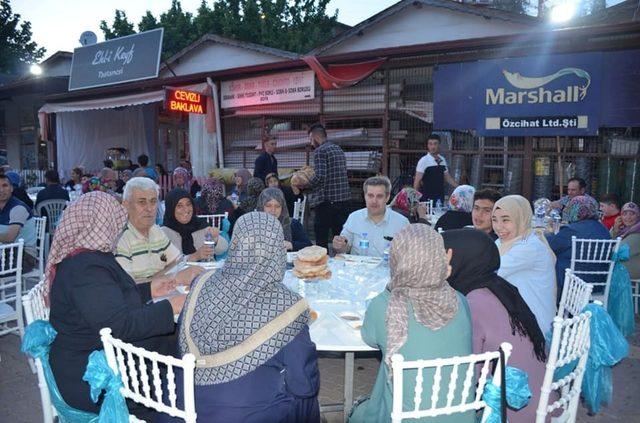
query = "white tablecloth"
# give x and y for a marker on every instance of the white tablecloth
(348, 291)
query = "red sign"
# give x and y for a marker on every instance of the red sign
(177, 100)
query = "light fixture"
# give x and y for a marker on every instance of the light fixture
(563, 12)
(35, 69)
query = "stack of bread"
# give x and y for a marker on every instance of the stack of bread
(302, 178)
(312, 263)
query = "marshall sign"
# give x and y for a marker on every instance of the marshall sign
(543, 95)
(123, 59)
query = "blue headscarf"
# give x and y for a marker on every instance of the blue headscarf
(14, 177)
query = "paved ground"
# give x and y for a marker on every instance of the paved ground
(20, 401)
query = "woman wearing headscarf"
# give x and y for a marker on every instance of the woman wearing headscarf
(526, 260)
(182, 179)
(254, 357)
(460, 206)
(186, 230)
(272, 201)
(125, 175)
(87, 290)
(627, 227)
(581, 215)
(250, 202)
(498, 312)
(419, 316)
(211, 200)
(407, 203)
(241, 179)
(272, 181)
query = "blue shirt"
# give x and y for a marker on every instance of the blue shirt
(15, 212)
(359, 223)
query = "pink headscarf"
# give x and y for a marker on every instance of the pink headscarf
(92, 223)
(635, 228)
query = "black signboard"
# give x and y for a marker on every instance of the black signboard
(123, 59)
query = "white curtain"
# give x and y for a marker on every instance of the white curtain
(202, 146)
(83, 137)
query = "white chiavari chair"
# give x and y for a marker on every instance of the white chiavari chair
(41, 241)
(570, 344)
(215, 219)
(591, 259)
(575, 295)
(11, 288)
(134, 365)
(299, 209)
(463, 385)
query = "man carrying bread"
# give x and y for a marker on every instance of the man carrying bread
(330, 185)
(377, 222)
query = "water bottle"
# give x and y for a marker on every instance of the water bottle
(385, 254)
(363, 245)
(539, 216)
(555, 219)
(438, 206)
(234, 198)
(208, 240)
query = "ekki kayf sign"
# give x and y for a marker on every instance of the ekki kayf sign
(123, 59)
(179, 100)
(277, 88)
(543, 95)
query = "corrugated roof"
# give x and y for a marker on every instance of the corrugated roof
(474, 9)
(627, 11)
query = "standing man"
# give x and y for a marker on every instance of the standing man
(266, 162)
(431, 172)
(330, 186)
(483, 202)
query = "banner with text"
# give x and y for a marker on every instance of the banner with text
(277, 88)
(542, 96)
(123, 59)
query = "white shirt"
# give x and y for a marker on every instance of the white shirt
(359, 223)
(429, 161)
(529, 266)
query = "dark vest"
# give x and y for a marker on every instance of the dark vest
(433, 184)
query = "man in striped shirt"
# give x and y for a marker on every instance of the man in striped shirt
(143, 249)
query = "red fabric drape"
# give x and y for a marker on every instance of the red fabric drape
(342, 76)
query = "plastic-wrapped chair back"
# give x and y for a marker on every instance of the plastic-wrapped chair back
(298, 209)
(132, 364)
(36, 309)
(53, 210)
(460, 385)
(591, 259)
(575, 295)
(569, 344)
(215, 220)
(11, 288)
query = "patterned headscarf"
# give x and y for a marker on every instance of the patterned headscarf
(94, 184)
(635, 228)
(245, 296)
(212, 192)
(186, 176)
(418, 265)
(276, 194)
(407, 200)
(462, 198)
(580, 207)
(254, 188)
(93, 222)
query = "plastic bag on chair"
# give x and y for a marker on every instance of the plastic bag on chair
(38, 337)
(517, 392)
(101, 378)
(620, 301)
(608, 347)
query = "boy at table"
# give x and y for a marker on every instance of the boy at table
(377, 221)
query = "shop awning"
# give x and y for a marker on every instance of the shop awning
(104, 103)
(341, 76)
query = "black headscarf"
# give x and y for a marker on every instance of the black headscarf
(474, 265)
(185, 230)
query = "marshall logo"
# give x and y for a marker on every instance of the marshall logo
(532, 91)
